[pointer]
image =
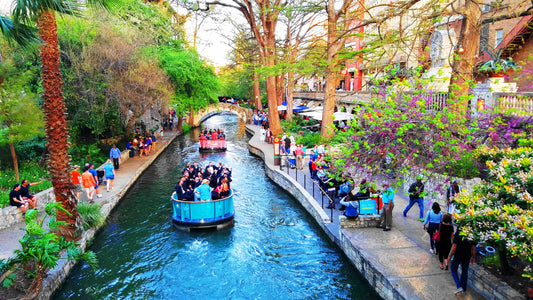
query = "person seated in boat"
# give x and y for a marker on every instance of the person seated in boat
(182, 192)
(202, 137)
(222, 135)
(214, 135)
(223, 189)
(203, 192)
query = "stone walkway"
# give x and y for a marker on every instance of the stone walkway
(400, 257)
(125, 176)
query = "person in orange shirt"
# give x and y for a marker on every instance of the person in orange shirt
(87, 180)
(75, 178)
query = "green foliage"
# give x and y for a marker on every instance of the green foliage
(195, 83)
(465, 167)
(493, 260)
(496, 63)
(42, 246)
(28, 170)
(83, 153)
(309, 139)
(186, 128)
(91, 215)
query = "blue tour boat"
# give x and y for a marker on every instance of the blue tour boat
(190, 215)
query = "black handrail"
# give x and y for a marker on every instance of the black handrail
(322, 192)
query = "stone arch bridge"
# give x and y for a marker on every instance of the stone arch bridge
(242, 113)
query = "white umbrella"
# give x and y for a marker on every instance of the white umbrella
(340, 116)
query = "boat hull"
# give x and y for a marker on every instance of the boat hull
(214, 214)
(212, 145)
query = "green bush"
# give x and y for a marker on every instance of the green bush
(309, 139)
(27, 170)
(465, 167)
(4, 198)
(186, 128)
(91, 215)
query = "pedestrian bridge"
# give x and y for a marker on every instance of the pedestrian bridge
(242, 113)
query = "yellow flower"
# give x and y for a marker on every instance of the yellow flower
(502, 180)
(490, 164)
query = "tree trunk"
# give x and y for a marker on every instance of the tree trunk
(332, 63)
(15, 161)
(463, 64)
(256, 91)
(190, 121)
(505, 268)
(290, 93)
(37, 283)
(56, 127)
(179, 127)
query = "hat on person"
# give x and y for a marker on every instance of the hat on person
(206, 181)
(76, 167)
(16, 185)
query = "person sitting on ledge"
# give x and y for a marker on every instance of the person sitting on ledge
(352, 207)
(16, 200)
(25, 193)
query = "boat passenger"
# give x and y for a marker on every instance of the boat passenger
(224, 189)
(203, 192)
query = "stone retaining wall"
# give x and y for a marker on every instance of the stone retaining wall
(362, 221)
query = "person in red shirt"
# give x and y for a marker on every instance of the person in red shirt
(87, 180)
(214, 135)
(75, 178)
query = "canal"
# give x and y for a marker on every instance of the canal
(274, 251)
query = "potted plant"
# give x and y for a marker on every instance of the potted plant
(497, 66)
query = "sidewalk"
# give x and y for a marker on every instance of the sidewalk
(399, 259)
(125, 177)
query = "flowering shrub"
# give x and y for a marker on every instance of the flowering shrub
(498, 211)
(411, 131)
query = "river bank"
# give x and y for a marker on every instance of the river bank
(126, 176)
(397, 263)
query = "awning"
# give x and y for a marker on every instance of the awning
(294, 109)
(338, 116)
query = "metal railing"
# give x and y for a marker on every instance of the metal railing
(284, 160)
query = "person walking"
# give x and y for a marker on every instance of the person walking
(387, 197)
(415, 190)
(432, 223)
(115, 155)
(463, 252)
(109, 173)
(451, 192)
(299, 157)
(95, 175)
(446, 236)
(87, 180)
(75, 178)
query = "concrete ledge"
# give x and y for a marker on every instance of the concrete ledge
(362, 221)
(489, 286)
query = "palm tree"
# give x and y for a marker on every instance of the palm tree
(42, 13)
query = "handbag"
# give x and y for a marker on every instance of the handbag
(436, 234)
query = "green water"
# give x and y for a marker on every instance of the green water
(274, 251)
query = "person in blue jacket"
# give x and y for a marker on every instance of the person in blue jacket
(352, 207)
(204, 191)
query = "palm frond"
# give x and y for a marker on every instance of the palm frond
(24, 35)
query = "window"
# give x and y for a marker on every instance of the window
(499, 36)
